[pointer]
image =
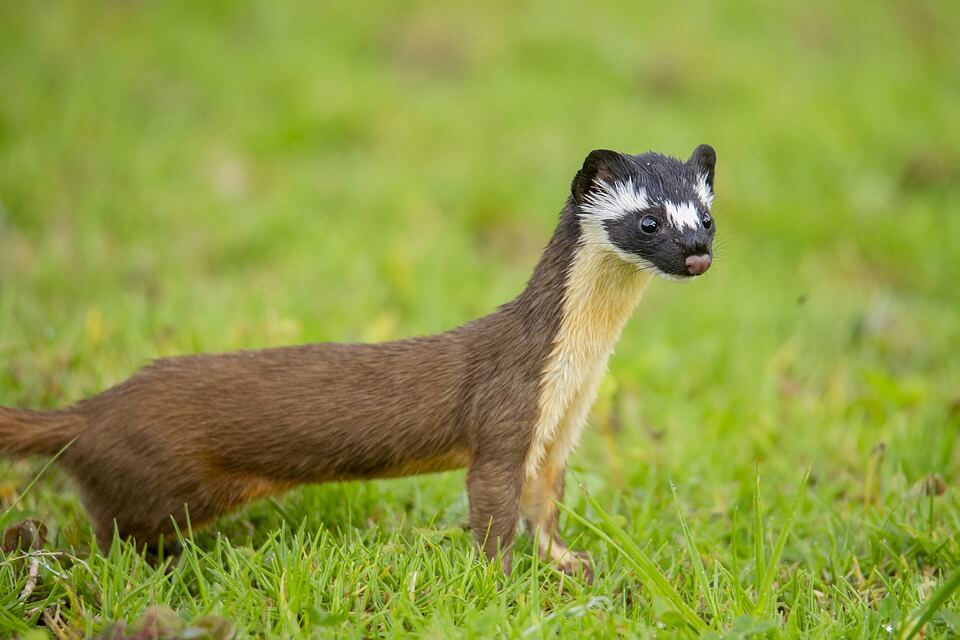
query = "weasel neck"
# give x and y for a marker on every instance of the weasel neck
(580, 288)
(599, 292)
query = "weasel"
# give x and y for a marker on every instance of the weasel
(506, 395)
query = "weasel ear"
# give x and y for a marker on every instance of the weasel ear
(600, 164)
(704, 160)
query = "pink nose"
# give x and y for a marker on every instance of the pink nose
(698, 264)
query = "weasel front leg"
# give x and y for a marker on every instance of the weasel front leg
(539, 499)
(493, 488)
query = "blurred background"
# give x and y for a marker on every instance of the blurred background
(179, 177)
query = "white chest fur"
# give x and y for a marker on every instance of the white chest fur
(601, 293)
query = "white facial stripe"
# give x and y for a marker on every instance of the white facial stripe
(612, 201)
(682, 216)
(703, 190)
(595, 237)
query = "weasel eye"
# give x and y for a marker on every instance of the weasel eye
(649, 224)
(707, 220)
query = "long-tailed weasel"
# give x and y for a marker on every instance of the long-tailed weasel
(506, 395)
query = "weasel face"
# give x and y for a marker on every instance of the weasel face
(651, 210)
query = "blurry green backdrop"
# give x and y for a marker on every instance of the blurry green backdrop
(179, 177)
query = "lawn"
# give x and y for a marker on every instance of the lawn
(181, 177)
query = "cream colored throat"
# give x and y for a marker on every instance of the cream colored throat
(601, 292)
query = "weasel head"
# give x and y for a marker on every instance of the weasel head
(651, 210)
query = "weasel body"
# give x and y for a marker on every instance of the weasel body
(506, 395)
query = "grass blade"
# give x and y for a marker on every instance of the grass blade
(744, 603)
(763, 599)
(913, 624)
(648, 570)
(695, 559)
(760, 562)
(9, 510)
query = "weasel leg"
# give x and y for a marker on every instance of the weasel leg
(538, 503)
(493, 489)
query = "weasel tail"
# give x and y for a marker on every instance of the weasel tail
(506, 395)
(25, 432)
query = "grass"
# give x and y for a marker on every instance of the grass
(178, 177)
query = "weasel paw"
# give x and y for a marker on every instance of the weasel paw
(576, 563)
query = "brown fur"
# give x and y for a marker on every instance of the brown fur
(209, 433)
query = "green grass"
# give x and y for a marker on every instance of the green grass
(179, 177)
